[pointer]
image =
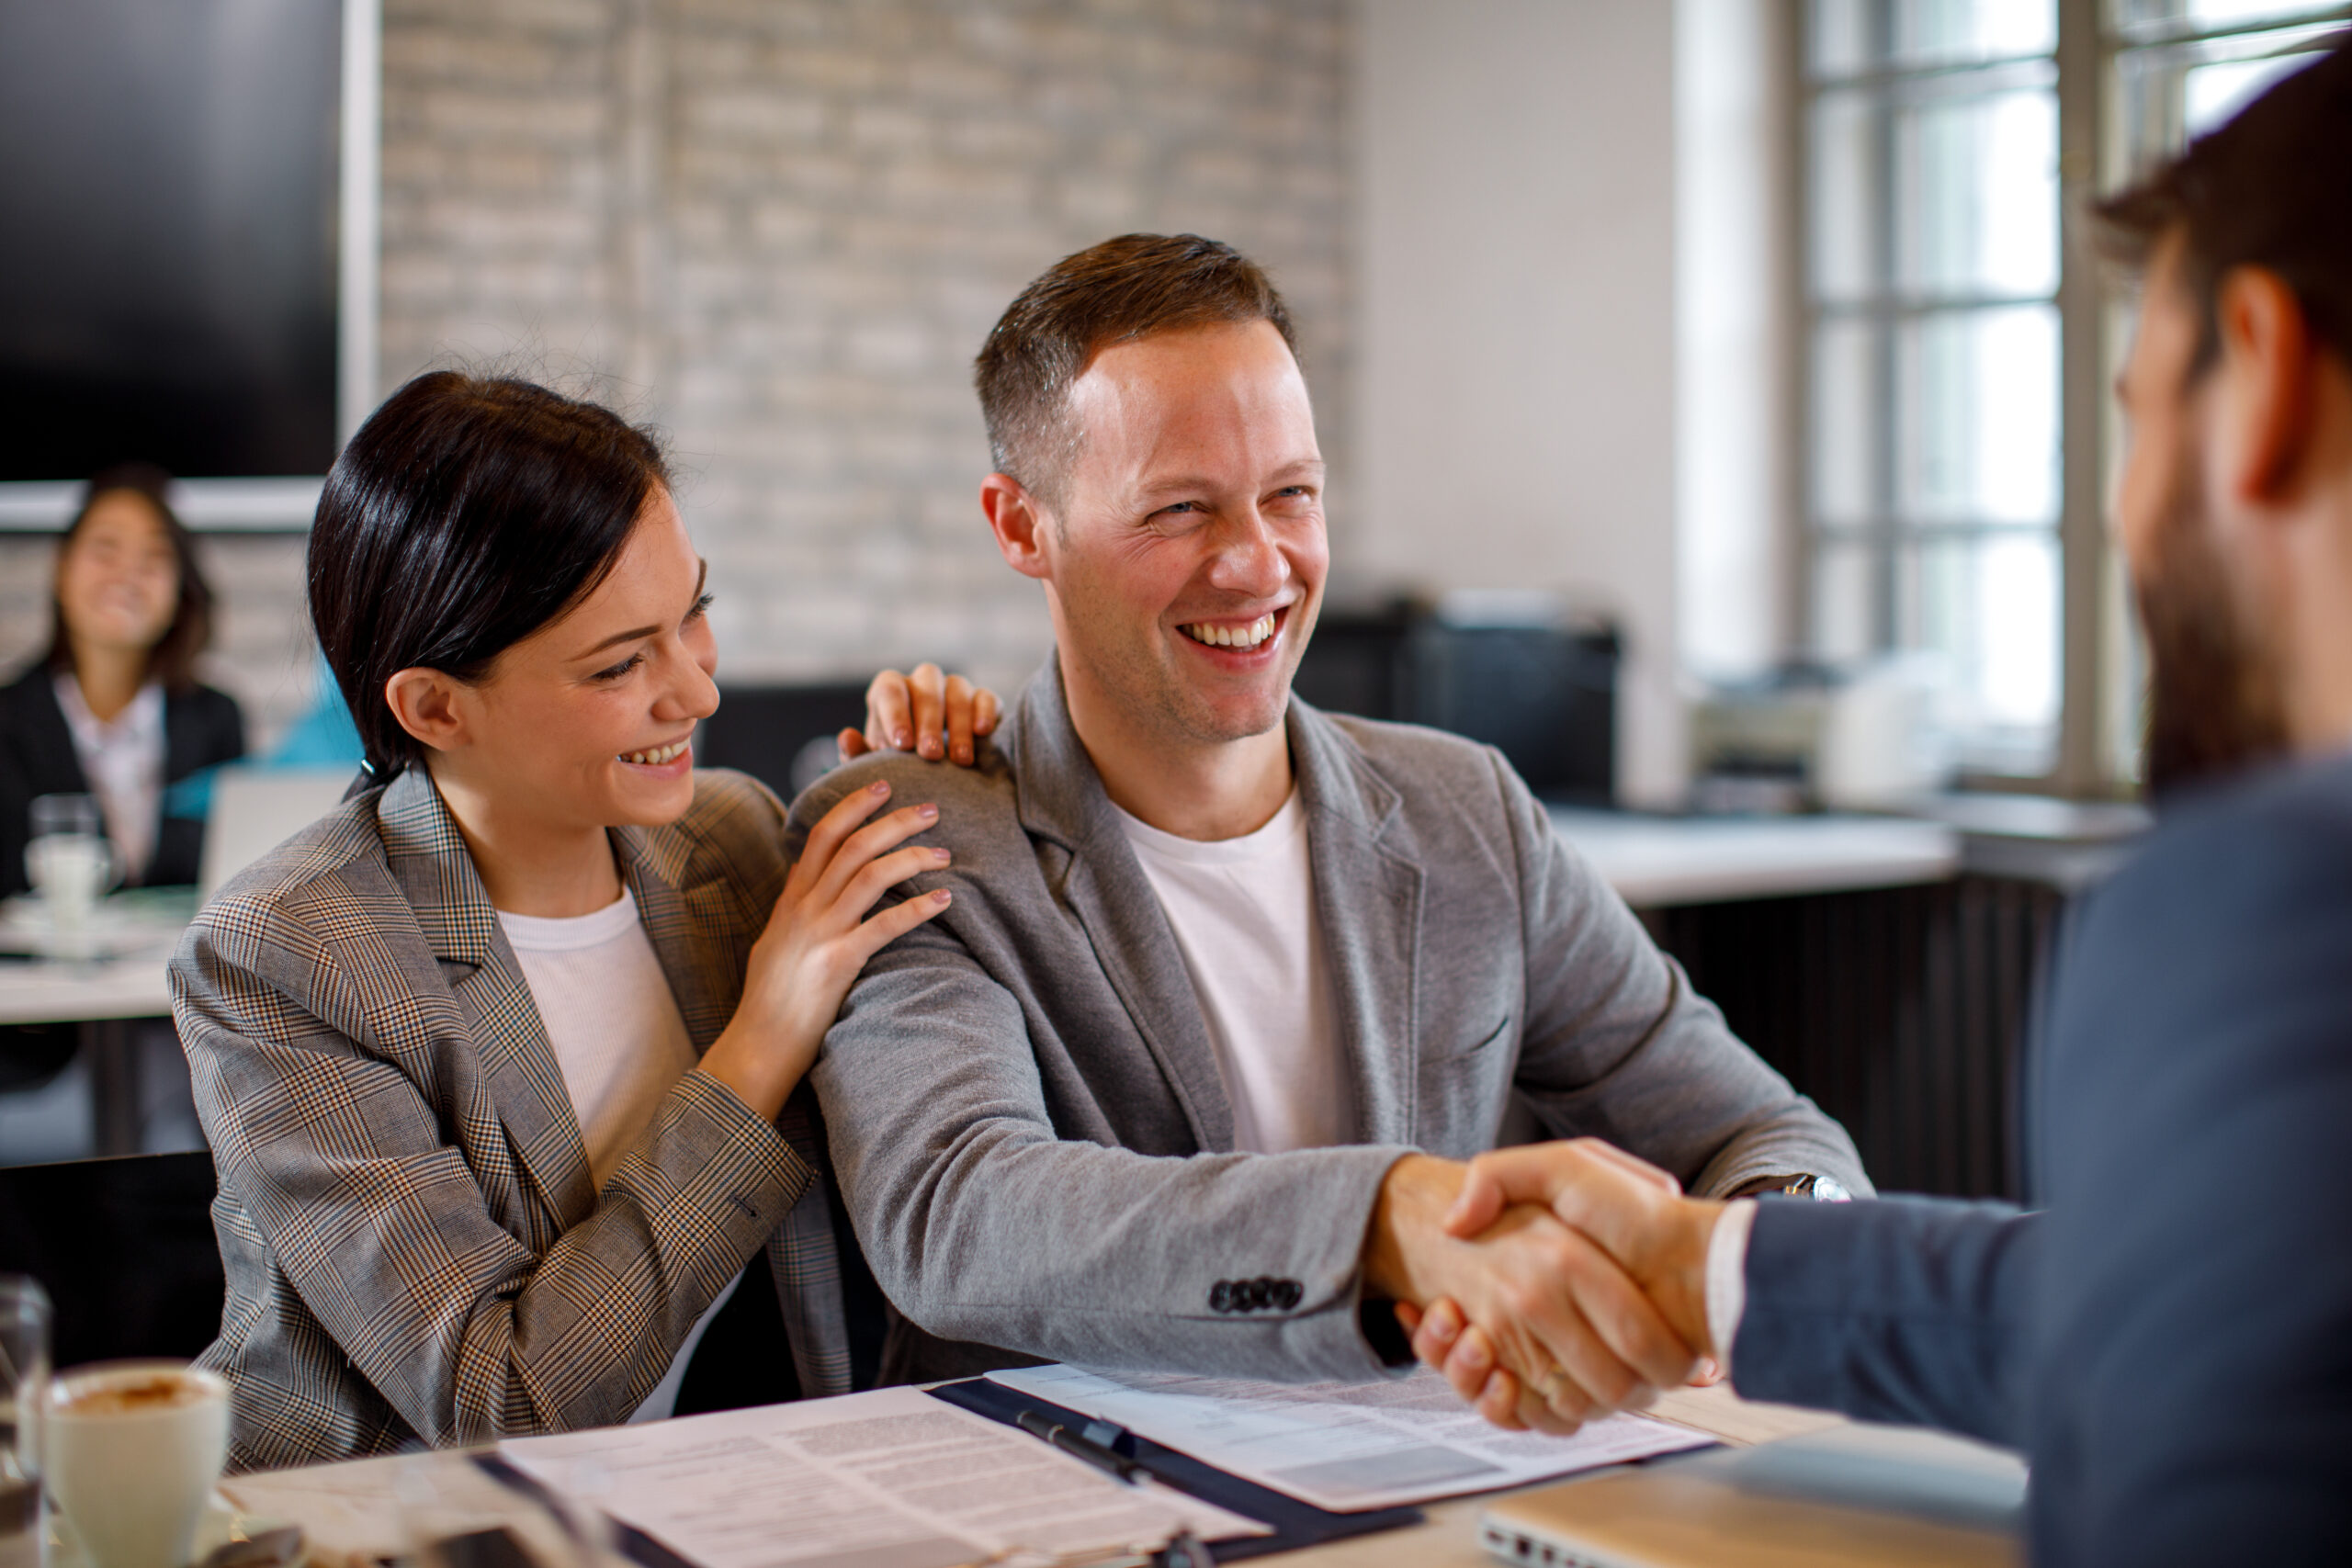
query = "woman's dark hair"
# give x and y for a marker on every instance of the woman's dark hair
(464, 516)
(172, 660)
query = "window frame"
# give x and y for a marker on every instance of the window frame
(2097, 679)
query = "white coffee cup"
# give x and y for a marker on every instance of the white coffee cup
(132, 1450)
(70, 872)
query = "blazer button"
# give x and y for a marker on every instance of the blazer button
(1221, 1296)
(1287, 1293)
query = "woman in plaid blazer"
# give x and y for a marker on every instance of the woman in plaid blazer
(414, 1244)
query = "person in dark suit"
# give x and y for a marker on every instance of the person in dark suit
(2170, 1337)
(114, 708)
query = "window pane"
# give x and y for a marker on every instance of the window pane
(1977, 427)
(1845, 133)
(1939, 31)
(1845, 601)
(1977, 203)
(1848, 403)
(1842, 38)
(1974, 191)
(2173, 16)
(2163, 96)
(1848, 37)
(1984, 611)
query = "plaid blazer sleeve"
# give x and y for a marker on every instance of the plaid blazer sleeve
(358, 1134)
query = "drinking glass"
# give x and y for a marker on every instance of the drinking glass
(24, 1381)
(69, 861)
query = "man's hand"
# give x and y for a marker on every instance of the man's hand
(1560, 1315)
(929, 714)
(1631, 1208)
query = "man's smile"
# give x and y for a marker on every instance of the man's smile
(1242, 635)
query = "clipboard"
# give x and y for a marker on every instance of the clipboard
(1295, 1523)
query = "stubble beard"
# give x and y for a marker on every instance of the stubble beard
(1146, 684)
(2215, 701)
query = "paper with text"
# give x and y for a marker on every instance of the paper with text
(891, 1479)
(1345, 1447)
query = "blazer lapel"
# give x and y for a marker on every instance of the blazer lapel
(698, 932)
(429, 859)
(1368, 892)
(1062, 800)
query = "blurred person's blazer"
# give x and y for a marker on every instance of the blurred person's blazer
(413, 1244)
(202, 729)
(2170, 1341)
(1028, 1121)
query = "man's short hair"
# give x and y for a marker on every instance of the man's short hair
(1121, 289)
(2271, 189)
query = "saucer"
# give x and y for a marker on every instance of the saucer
(220, 1524)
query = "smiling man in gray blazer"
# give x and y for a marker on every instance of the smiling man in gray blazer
(1229, 984)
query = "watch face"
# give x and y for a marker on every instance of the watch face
(1829, 1190)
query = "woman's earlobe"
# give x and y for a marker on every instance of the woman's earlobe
(424, 703)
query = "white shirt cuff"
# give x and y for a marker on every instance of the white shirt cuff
(1727, 1277)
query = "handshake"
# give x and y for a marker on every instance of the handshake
(1552, 1284)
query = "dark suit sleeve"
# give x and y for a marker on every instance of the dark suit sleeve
(1911, 1309)
(2192, 1402)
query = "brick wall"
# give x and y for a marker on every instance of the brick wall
(779, 229)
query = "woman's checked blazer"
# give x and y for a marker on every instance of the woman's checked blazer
(413, 1246)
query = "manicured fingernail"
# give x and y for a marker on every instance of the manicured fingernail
(939, 855)
(1473, 1356)
(926, 812)
(941, 897)
(963, 753)
(901, 739)
(879, 786)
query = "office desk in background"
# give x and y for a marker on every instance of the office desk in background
(102, 998)
(1662, 862)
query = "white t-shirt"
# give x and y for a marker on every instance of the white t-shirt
(622, 1044)
(1243, 911)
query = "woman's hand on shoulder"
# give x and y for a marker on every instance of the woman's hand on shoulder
(928, 713)
(818, 938)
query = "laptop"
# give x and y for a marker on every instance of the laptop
(1851, 1496)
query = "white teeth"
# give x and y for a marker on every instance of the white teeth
(658, 756)
(1250, 635)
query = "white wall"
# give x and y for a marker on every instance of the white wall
(1734, 440)
(1515, 392)
(1570, 349)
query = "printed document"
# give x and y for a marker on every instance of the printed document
(1344, 1447)
(890, 1479)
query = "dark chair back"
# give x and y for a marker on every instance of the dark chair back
(125, 1248)
(781, 735)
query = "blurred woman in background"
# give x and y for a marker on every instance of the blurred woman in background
(114, 709)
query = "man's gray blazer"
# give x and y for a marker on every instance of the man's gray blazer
(1028, 1122)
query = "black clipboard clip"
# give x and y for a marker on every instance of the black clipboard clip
(1295, 1523)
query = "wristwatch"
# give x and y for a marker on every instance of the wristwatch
(1820, 1188)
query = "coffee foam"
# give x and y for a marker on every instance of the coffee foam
(133, 1393)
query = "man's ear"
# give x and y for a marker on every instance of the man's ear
(426, 703)
(2267, 389)
(1019, 524)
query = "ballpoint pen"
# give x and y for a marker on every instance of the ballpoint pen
(1079, 1445)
